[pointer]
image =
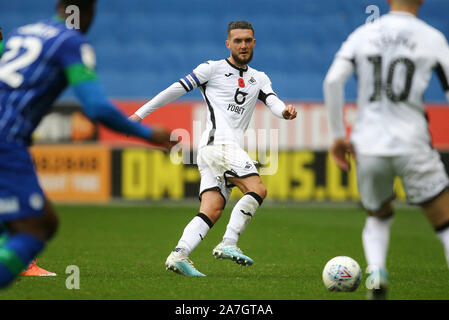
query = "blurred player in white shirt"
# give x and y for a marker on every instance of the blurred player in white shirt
(393, 58)
(231, 89)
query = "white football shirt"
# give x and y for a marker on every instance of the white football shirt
(231, 94)
(394, 58)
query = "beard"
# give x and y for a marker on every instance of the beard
(242, 61)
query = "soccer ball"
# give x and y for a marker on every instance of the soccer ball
(342, 274)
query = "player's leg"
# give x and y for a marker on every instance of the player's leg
(212, 204)
(425, 182)
(254, 193)
(28, 218)
(47, 225)
(376, 235)
(25, 239)
(213, 195)
(42, 227)
(437, 211)
(375, 239)
(375, 177)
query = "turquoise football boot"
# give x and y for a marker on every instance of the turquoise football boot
(181, 264)
(233, 253)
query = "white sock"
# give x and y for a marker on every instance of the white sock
(193, 233)
(376, 237)
(444, 237)
(241, 215)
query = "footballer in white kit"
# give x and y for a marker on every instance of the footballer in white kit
(231, 90)
(393, 59)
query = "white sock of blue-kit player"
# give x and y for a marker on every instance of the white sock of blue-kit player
(195, 231)
(241, 215)
(444, 237)
(376, 237)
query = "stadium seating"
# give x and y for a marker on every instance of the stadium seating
(142, 46)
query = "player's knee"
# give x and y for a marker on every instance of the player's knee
(437, 210)
(43, 227)
(381, 214)
(260, 191)
(384, 212)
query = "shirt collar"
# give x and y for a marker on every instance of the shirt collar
(402, 13)
(241, 70)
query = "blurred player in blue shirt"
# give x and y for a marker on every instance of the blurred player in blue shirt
(38, 62)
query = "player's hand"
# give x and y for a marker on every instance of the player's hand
(340, 150)
(135, 118)
(161, 136)
(289, 112)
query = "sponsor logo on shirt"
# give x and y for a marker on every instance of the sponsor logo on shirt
(233, 108)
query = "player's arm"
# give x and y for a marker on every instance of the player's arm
(333, 89)
(78, 60)
(334, 83)
(97, 108)
(276, 105)
(279, 109)
(193, 80)
(170, 94)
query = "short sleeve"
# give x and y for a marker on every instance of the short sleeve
(265, 84)
(266, 89)
(77, 59)
(199, 76)
(203, 72)
(348, 48)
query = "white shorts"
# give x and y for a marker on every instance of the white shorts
(423, 177)
(216, 163)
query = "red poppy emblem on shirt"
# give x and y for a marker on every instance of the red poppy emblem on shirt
(241, 83)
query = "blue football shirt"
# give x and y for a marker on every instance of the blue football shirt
(38, 62)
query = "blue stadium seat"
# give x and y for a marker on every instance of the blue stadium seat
(142, 46)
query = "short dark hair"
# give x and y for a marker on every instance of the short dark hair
(82, 4)
(240, 24)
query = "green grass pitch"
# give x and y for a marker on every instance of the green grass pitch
(121, 250)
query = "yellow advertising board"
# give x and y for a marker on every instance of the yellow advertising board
(300, 176)
(96, 173)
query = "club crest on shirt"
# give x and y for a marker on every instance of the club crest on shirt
(252, 81)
